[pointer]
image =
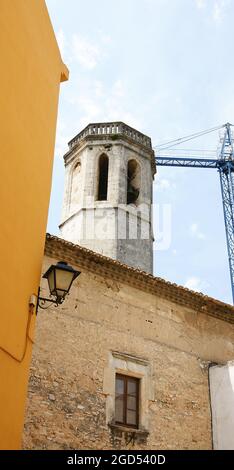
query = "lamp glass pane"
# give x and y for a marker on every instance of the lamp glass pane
(63, 280)
(51, 282)
(60, 293)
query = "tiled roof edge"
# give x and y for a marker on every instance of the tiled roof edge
(96, 262)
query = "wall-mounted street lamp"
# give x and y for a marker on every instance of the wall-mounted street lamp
(60, 278)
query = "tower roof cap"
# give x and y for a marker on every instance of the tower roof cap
(113, 130)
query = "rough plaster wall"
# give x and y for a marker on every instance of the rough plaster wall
(222, 405)
(66, 400)
(134, 252)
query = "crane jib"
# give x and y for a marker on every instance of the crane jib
(225, 166)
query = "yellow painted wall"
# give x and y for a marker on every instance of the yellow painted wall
(31, 72)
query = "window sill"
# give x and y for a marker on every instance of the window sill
(126, 429)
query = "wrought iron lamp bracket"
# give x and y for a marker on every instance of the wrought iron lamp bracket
(43, 301)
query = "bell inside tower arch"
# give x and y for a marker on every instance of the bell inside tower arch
(133, 182)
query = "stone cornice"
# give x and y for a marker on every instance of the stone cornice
(111, 128)
(120, 133)
(75, 254)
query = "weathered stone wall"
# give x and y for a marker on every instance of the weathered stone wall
(68, 390)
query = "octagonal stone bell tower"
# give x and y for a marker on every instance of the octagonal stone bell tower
(109, 171)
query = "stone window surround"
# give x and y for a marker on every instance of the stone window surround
(134, 367)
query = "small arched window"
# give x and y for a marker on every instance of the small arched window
(103, 178)
(77, 167)
(133, 182)
(75, 184)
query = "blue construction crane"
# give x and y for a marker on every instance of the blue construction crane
(225, 166)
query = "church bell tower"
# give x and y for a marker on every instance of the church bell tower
(109, 171)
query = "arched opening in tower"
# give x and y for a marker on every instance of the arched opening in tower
(103, 178)
(75, 185)
(134, 181)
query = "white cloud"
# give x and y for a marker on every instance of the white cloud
(100, 102)
(85, 52)
(91, 110)
(118, 89)
(194, 283)
(99, 89)
(195, 231)
(218, 9)
(163, 184)
(105, 38)
(61, 39)
(62, 138)
(200, 4)
(197, 284)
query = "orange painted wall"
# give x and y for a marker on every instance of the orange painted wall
(31, 72)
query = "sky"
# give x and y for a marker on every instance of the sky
(164, 67)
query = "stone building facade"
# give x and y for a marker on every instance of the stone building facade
(122, 322)
(126, 360)
(109, 171)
